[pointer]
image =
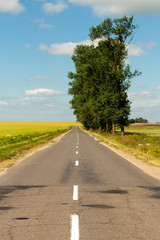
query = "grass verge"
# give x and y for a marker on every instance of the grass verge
(142, 146)
(12, 148)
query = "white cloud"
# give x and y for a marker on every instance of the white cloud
(38, 77)
(27, 45)
(158, 88)
(135, 51)
(144, 95)
(43, 92)
(32, 100)
(54, 8)
(65, 48)
(11, 6)
(48, 105)
(150, 113)
(3, 104)
(62, 49)
(41, 77)
(43, 47)
(143, 100)
(148, 45)
(120, 7)
(68, 48)
(42, 23)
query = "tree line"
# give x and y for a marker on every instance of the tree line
(138, 120)
(102, 77)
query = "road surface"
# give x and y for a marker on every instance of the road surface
(78, 189)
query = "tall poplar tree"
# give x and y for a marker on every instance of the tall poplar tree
(99, 86)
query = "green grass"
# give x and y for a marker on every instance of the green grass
(19, 137)
(142, 141)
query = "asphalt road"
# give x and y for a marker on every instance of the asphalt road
(78, 189)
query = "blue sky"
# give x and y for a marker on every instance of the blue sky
(37, 41)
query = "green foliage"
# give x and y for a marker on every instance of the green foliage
(140, 120)
(118, 28)
(99, 86)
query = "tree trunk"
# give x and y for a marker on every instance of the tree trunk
(107, 127)
(110, 127)
(122, 130)
(113, 127)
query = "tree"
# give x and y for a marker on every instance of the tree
(99, 86)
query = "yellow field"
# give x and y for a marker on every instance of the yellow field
(16, 128)
(17, 138)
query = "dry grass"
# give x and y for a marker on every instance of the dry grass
(141, 141)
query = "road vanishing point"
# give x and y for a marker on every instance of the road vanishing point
(78, 189)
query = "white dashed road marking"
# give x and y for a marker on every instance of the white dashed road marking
(74, 227)
(75, 217)
(75, 192)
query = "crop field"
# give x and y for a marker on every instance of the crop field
(140, 140)
(17, 138)
(147, 128)
(19, 128)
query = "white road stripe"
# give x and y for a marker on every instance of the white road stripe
(77, 163)
(75, 192)
(76, 152)
(76, 146)
(74, 227)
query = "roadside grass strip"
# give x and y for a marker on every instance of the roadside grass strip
(18, 144)
(141, 145)
(18, 137)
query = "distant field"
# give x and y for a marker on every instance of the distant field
(16, 128)
(146, 128)
(19, 137)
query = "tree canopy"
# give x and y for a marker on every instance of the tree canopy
(99, 85)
